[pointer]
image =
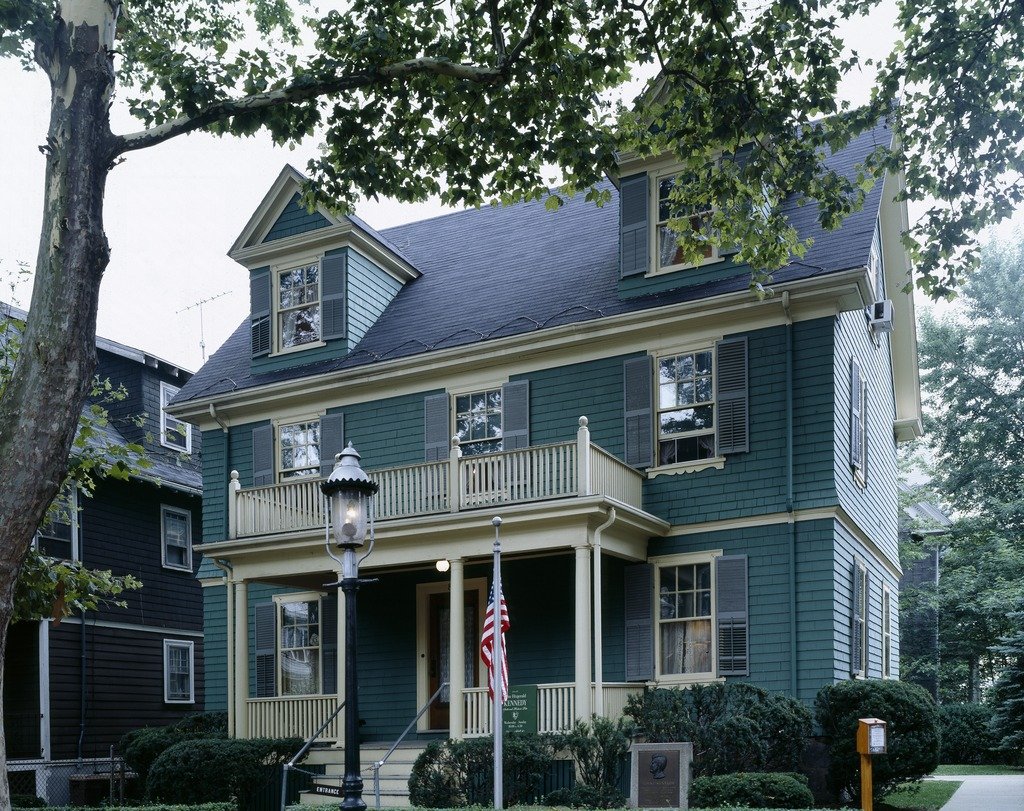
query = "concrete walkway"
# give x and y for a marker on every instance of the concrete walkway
(986, 792)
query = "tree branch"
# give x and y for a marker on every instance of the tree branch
(496, 33)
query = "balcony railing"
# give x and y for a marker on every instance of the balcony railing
(541, 472)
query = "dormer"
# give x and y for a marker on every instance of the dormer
(317, 281)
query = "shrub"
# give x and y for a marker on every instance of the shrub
(913, 732)
(734, 727)
(753, 790)
(597, 749)
(141, 747)
(966, 736)
(27, 801)
(217, 770)
(453, 774)
(205, 807)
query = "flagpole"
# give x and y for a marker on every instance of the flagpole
(497, 671)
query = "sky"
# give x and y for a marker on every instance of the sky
(173, 211)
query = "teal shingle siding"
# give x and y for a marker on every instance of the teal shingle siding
(295, 219)
(613, 612)
(754, 483)
(874, 507)
(287, 360)
(386, 432)
(214, 485)
(215, 647)
(370, 290)
(240, 457)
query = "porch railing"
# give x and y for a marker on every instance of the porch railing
(540, 472)
(292, 717)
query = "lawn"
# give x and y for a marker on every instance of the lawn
(966, 768)
(930, 795)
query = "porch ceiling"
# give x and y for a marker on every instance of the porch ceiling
(530, 528)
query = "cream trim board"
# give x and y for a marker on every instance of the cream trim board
(127, 626)
(695, 466)
(423, 593)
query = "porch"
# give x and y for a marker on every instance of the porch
(559, 470)
(297, 716)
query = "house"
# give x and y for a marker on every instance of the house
(695, 484)
(73, 688)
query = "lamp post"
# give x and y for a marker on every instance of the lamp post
(350, 492)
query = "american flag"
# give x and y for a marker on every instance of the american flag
(487, 645)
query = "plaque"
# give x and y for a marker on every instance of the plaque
(519, 712)
(660, 775)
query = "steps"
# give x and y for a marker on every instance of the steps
(394, 775)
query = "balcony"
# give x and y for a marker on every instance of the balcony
(560, 470)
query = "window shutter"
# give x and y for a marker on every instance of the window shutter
(515, 415)
(329, 642)
(639, 622)
(332, 441)
(435, 427)
(857, 623)
(263, 455)
(333, 271)
(259, 310)
(856, 414)
(266, 649)
(732, 615)
(633, 232)
(639, 428)
(732, 431)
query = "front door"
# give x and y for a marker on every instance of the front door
(438, 659)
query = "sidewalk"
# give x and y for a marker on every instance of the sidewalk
(986, 793)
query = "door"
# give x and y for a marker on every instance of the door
(438, 643)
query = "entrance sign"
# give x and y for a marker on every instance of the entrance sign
(519, 712)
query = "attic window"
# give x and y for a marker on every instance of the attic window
(669, 252)
(298, 305)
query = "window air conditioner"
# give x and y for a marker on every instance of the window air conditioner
(880, 316)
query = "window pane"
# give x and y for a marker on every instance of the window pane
(703, 603)
(686, 647)
(678, 422)
(703, 363)
(300, 672)
(685, 578)
(667, 370)
(703, 390)
(684, 393)
(703, 575)
(667, 395)
(300, 326)
(703, 417)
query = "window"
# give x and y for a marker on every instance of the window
(179, 663)
(886, 633)
(176, 538)
(478, 422)
(876, 270)
(173, 432)
(669, 252)
(299, 449)
(686, 407)
(859, 634)
(298, 306)
(684, 619)
(858, 422)
(58, 536)
(300, 666)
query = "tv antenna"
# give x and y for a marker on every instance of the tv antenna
(199, 304)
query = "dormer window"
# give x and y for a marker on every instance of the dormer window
(669, 252)
(298, 306)
(174, 433)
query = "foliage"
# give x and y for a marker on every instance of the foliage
(734, 727)
(966, 737)
(597, 748)
(757, 789)
(27, 801)
(1008, 694)
(455, 774)
(212, 770)
(912, 732)
(151, 807)
(141, 747)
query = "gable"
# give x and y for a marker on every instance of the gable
(295, 219)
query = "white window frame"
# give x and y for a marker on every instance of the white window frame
(689, 559)
(168, 423)
(284, 474)
(498, 443)
(687, 464)
(886, 632)
(166, 509)
(277, 310)
(657, 175)
(71, 494)
(190, 647)
(280, 600)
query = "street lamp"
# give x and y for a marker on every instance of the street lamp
(350, 491)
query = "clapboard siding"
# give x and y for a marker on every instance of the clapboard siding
(370, 290)
(873, 506)
(123, 686)
(295, 219)
(120, 531)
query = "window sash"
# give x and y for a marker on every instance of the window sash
(179, 672)
(176, 538)
(298, 305)
(299, 647)
(685, 619)
(174, 433)
(478, 421)
(686, 409)
(298, 449)
(666, 242)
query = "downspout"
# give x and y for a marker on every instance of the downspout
(791, 523)
(229, 591)
(597, 622)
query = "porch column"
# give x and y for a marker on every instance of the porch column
(457, 650)
(584, 652)
(241, 668)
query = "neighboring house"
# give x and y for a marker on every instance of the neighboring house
(695, 484)
(73, 689)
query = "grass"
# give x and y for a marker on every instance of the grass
(928, 796)
(968, 768)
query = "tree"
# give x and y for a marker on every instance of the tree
(472, 101)
(1008, 695)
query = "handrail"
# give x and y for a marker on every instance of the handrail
(378, 764)
(287, 767)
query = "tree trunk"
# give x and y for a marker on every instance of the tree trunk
(40, 408)
(974, 682)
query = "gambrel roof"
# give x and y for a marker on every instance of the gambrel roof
(501, 271)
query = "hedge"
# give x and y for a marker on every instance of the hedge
(765, 789)
(966, 734)
(204, 807)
